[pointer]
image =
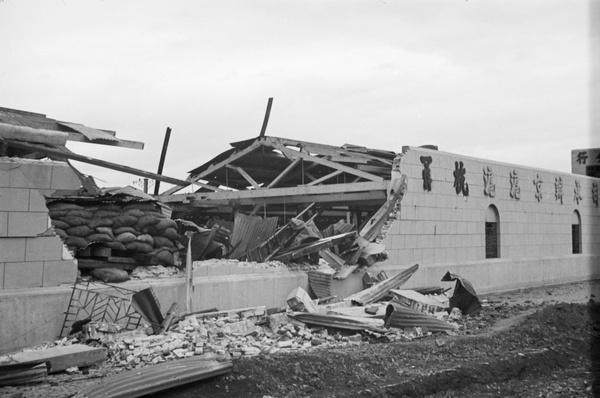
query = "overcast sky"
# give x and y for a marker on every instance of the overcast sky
(504, 80)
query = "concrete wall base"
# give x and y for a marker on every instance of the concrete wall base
(33, 316)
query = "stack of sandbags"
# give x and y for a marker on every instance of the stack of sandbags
(138, 228)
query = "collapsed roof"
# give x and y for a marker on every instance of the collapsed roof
(275, 175)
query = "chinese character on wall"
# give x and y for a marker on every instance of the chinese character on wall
(582, 157)
(515, 191)
(427, 160)
(577, 191)
(538, 187)
(459, 179)
(595, 193)
(489, 188)
(558, 189)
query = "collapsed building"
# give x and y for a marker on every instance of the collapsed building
(339, 214)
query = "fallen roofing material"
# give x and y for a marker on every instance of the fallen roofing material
(399, 316)
(420, 302)
(17, 373)
(379, 290)
(158, 377)
(339, 321)
(464, 296)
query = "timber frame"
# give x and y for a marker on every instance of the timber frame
(274, 176)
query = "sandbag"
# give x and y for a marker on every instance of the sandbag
(165, 223)
(109, 207)
(76, 241)
(140, 247)
(73, 221)
(98, 238)
(140, 206)
(150, 230)
(61, 233)
(57, 213)
(125, 237)
(106, 214)
(137, 213)
(64, 206)
(110, 275)
(146, 239)
(165, 257)
(146, 221)
(115, 245)
(160, 241)
(60, 224)
(80, 213)
(124, 220)
(106, 231)
(170, 233)
(119, 231)
(100, 222)
(82, 231)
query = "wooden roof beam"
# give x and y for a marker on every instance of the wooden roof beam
(336, 166)
(284, 173)
(245, 175)
(325, 178)
(256, 144)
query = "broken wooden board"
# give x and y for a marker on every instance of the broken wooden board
(321, 244)
(155, 378)
(64, 357)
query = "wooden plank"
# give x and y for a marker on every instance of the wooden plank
(189, 275)
(263, 130)
(163, 155)
(364, 187)
(245, 175)
(326, 150)
(313, 247)
(336, 166)
(65, 153)
(325, 178)
(64, 357)
(89, 264)
(284, 173)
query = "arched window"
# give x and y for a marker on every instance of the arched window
(492, 232)
(576, 232)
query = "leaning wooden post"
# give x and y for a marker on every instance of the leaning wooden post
(189, 276)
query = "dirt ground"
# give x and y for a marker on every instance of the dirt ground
(542, 342)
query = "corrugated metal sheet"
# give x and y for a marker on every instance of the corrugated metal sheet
(379, 290)
(399, 316)
(338, 321)
(151, 379)
(464, 296)
(90, 133)
(249, 232)
(320, 282)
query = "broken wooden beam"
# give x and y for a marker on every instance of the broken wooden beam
(65, 153)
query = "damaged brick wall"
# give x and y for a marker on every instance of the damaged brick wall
(30, 254)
